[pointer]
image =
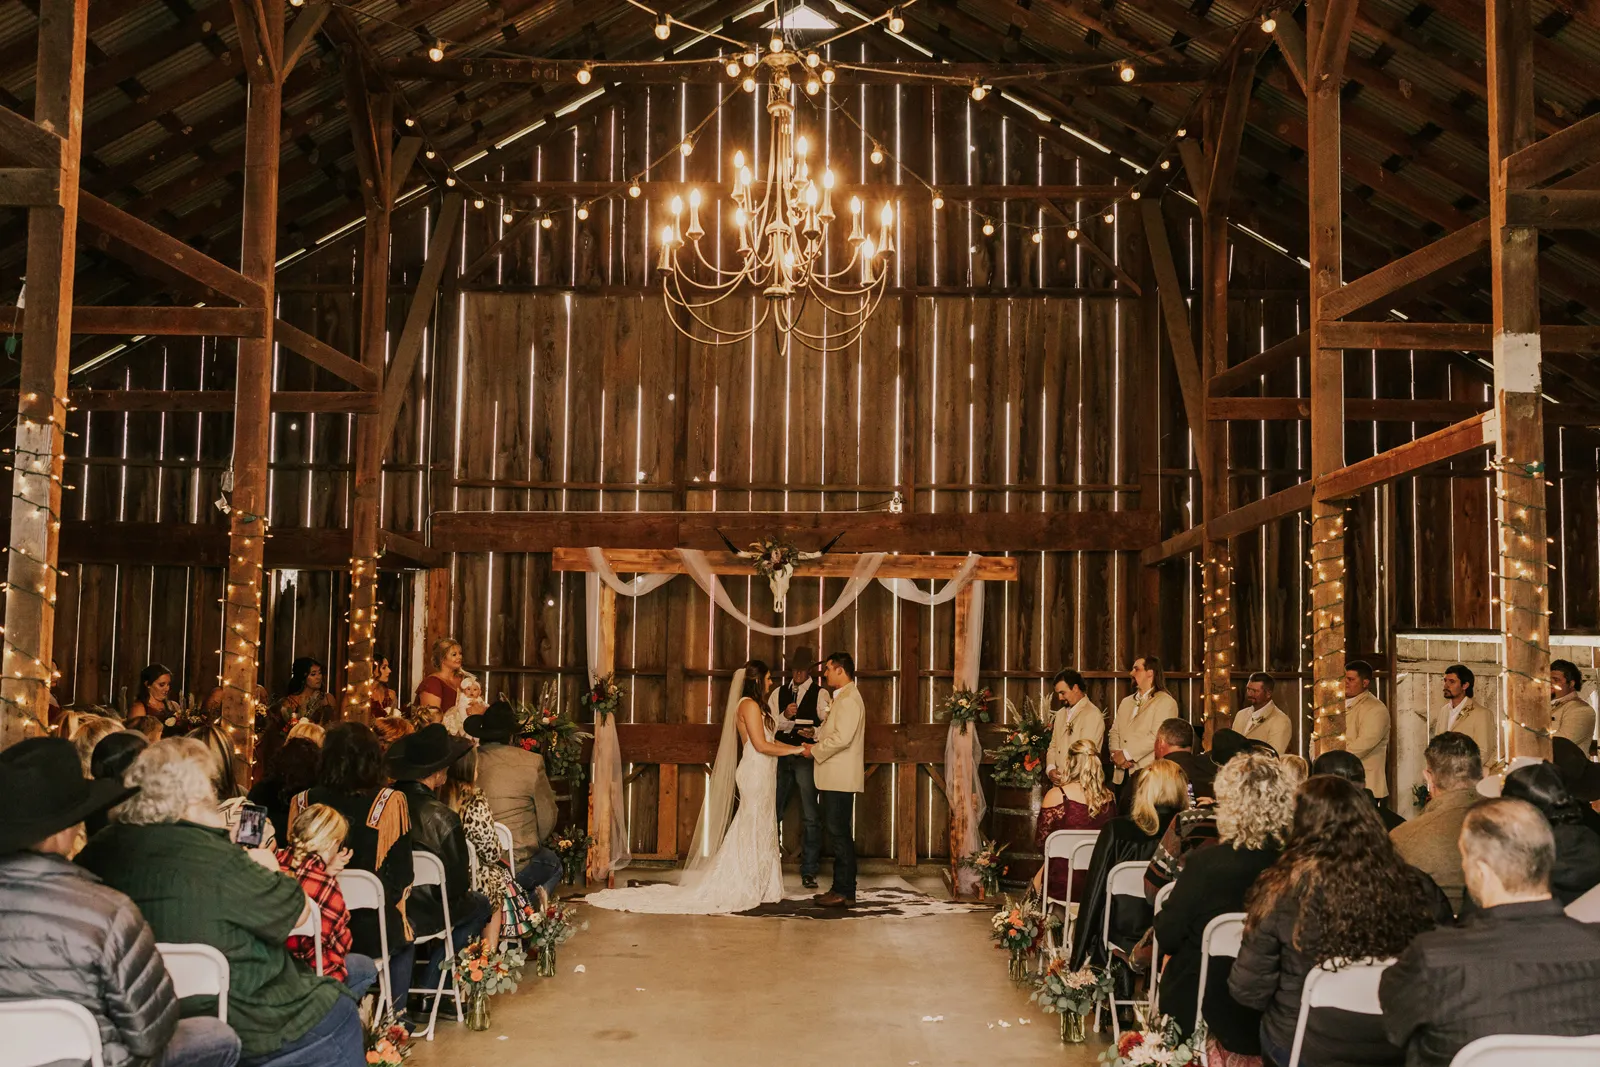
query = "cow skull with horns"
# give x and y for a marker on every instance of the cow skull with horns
(775, 558)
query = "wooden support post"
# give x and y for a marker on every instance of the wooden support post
(1328, 25)
(905, 848)
(41, 404)
(1519, 465)
(966, 672)
(604, 663)
(1217, 567)
(252, 418)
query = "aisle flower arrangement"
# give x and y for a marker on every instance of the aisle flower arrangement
(554, 927)
(1019, 759)
(387, 1043)
(1072, 995)
(603, 698)
(481, 974)
(1017, 927)
(986, 864)
(544, 728)
(967, 705)
(571, 844)
(1163, 1043)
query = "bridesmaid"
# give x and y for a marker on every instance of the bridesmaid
(1077, 800)
(441, 689)
(382, 695)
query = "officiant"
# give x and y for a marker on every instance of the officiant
(798, 707)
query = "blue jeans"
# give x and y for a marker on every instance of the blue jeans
(359, 973)
(1271, 1053)
(335, 1041)
(463, 931)
(838, 816)
(542, 869)
(200, 1042)
(796, 774)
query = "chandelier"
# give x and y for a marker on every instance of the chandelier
(783, 226)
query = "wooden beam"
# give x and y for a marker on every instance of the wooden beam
(1464, 436)
(147, 239)
(409, 347)
(413, 552)
(1562, 150)
(1180, 544)
(1175, 313)
(29, 142)
(512, 234)
(1356, 409)
(326, 356)
(1554, 209)
(213, 400)
(1291, 41)
(301, 33)
(1332, 45)
(1241, 520)
(1406, 271)
(504, 531)
(842, 565)
(1429, 336)
(30, 187)
(1250, 371)
(206, 545)
(154, 321)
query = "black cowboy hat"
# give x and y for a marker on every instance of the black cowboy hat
(802, 658)
(1226, 744)
(499, 723)
(1579, 773)
(43, 791)
(430, 749)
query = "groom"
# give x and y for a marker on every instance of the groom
(840, 772)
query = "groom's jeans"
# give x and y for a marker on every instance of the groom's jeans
(838, 816)
(798, 774)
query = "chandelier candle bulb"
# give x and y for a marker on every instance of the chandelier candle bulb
(775, 44)
(733, 68)
(785, 83)
(750, 59)
(813, 59)
(748, 85)
(813, 86)
(828, 75)
(695, 231)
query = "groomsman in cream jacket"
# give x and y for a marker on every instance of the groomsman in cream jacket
(1463, 715)
(1366, 726)
(1571, 716)
(1262, 720)
(839, 752)
(1076, 719)
(1133, 731)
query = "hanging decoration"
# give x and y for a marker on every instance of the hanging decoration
(775, 558)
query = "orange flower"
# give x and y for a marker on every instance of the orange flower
(372, 1057)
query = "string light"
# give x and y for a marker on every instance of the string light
(897, 21)
(663, 27)
(585, 75)
(1269, 22)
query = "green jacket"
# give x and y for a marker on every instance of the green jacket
(195, 885)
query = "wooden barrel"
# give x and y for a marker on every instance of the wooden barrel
(1012, 821)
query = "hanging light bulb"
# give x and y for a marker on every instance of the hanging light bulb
(435, 49)
(1182, 132)
(877, 153)
(1125, 72)
(979, 90)
(1109, 217)
(1038, 237)
(477, 202)
(506, 218)
(897, 22)
(545, 223)
(663, 27)
(410, 122)
(828, 75)
(431, 154)
(988, 228)
(450, 180)
(1166, 164)
(748, 85)
(938, 201)
(686, 148)
(813, 85)
(1269, 22)
(583, 212)
(1072, 233)
(585, 75)
(1136, 194)
(813, 59)
(733, 68)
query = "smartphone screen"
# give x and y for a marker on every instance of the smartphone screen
(252, 825)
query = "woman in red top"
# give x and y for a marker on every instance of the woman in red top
(442, 688)
(315, 857)
(382, 695)
(1078, 800)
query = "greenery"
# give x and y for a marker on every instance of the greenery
(967, 706)
(1060, 991)
(1017, 926)
(572, 844)
(483, 973)
(1163, 1043)
(986, 863)
(1019, 759)
(603, 698)
(544, 728)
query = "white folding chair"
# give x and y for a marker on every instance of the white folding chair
(42, 1031)
(1123, 880)
(427, 869)
(1077, 848)
(197, 971)
(312, 928)
(1529, 1050)
(1222, 937)
(364, 890)
(1155, 952)
(1353, 987)
(502, 833)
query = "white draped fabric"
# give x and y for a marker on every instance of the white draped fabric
(641, 584)
(963, 751)
(606, 773)
(866, 567)
(906, 589)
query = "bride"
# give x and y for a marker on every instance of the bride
(738, 868)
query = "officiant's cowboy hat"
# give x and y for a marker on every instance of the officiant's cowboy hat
(499, 723)
(428, 750)
(801, 659)
(43, 791)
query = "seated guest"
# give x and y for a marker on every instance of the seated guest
(391, 728)
(419, 765)
(225, 782)
(1429, 841)
(351, 781)
(314, 858)
(110, 761)
(1175, 741)
(168, 849)
(1518, 965)
(1160, 792)
(69, 937)
(1195, 827)
(1577, 866)
(512, 912)
(1342, 764)
(1076, 800)
(87, 732)
(514, 783)
(1255, 805)
(293, 771)
(1298, 767)
(1262, 720)
(1339, 891)
(1581, 776)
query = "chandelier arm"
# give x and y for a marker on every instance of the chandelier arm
(854, 263)
(720, 273)
(734, 336)
(710, 287)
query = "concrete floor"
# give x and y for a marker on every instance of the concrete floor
(663, 990)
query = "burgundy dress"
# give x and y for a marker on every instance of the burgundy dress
(1069, 815)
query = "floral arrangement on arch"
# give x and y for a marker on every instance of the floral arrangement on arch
(571, 844)
(986, 864)
(603, 698)
(1019, 760)
(967, 705)
(484, 973)
(774, 556)
(1163, 1043)
(387, 1043)
(544, 728)
(1060, 991)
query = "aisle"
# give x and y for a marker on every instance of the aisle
(669, 990)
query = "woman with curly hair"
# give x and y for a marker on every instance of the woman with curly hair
(1255, 804)
(1340, 891)
(1076, 800)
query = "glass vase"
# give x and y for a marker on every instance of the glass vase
(478, 1011)
(1019, 967)
(547, 961)
(1073, 1028)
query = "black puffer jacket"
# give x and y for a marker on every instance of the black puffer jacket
(437, 829)
(64, 935)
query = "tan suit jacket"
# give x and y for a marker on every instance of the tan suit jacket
(1474, 721)
(1081, 722)
(1133, 731)
(519, 794)
(1272, 726)
(1366, 736)
(840, 749)
(1430, 842)
(1572, 717)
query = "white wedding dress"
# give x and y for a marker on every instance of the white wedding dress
(746, 870)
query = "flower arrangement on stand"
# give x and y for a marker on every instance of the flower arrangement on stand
(544, 728)
(481, 974)
(1017, 927)
(1163, 1043)
(554, 927)
(985, 863)
(387, 1043)
(572, 844)
(1019, 759)
(969, 706)
(1072, 995)
(603, 698)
